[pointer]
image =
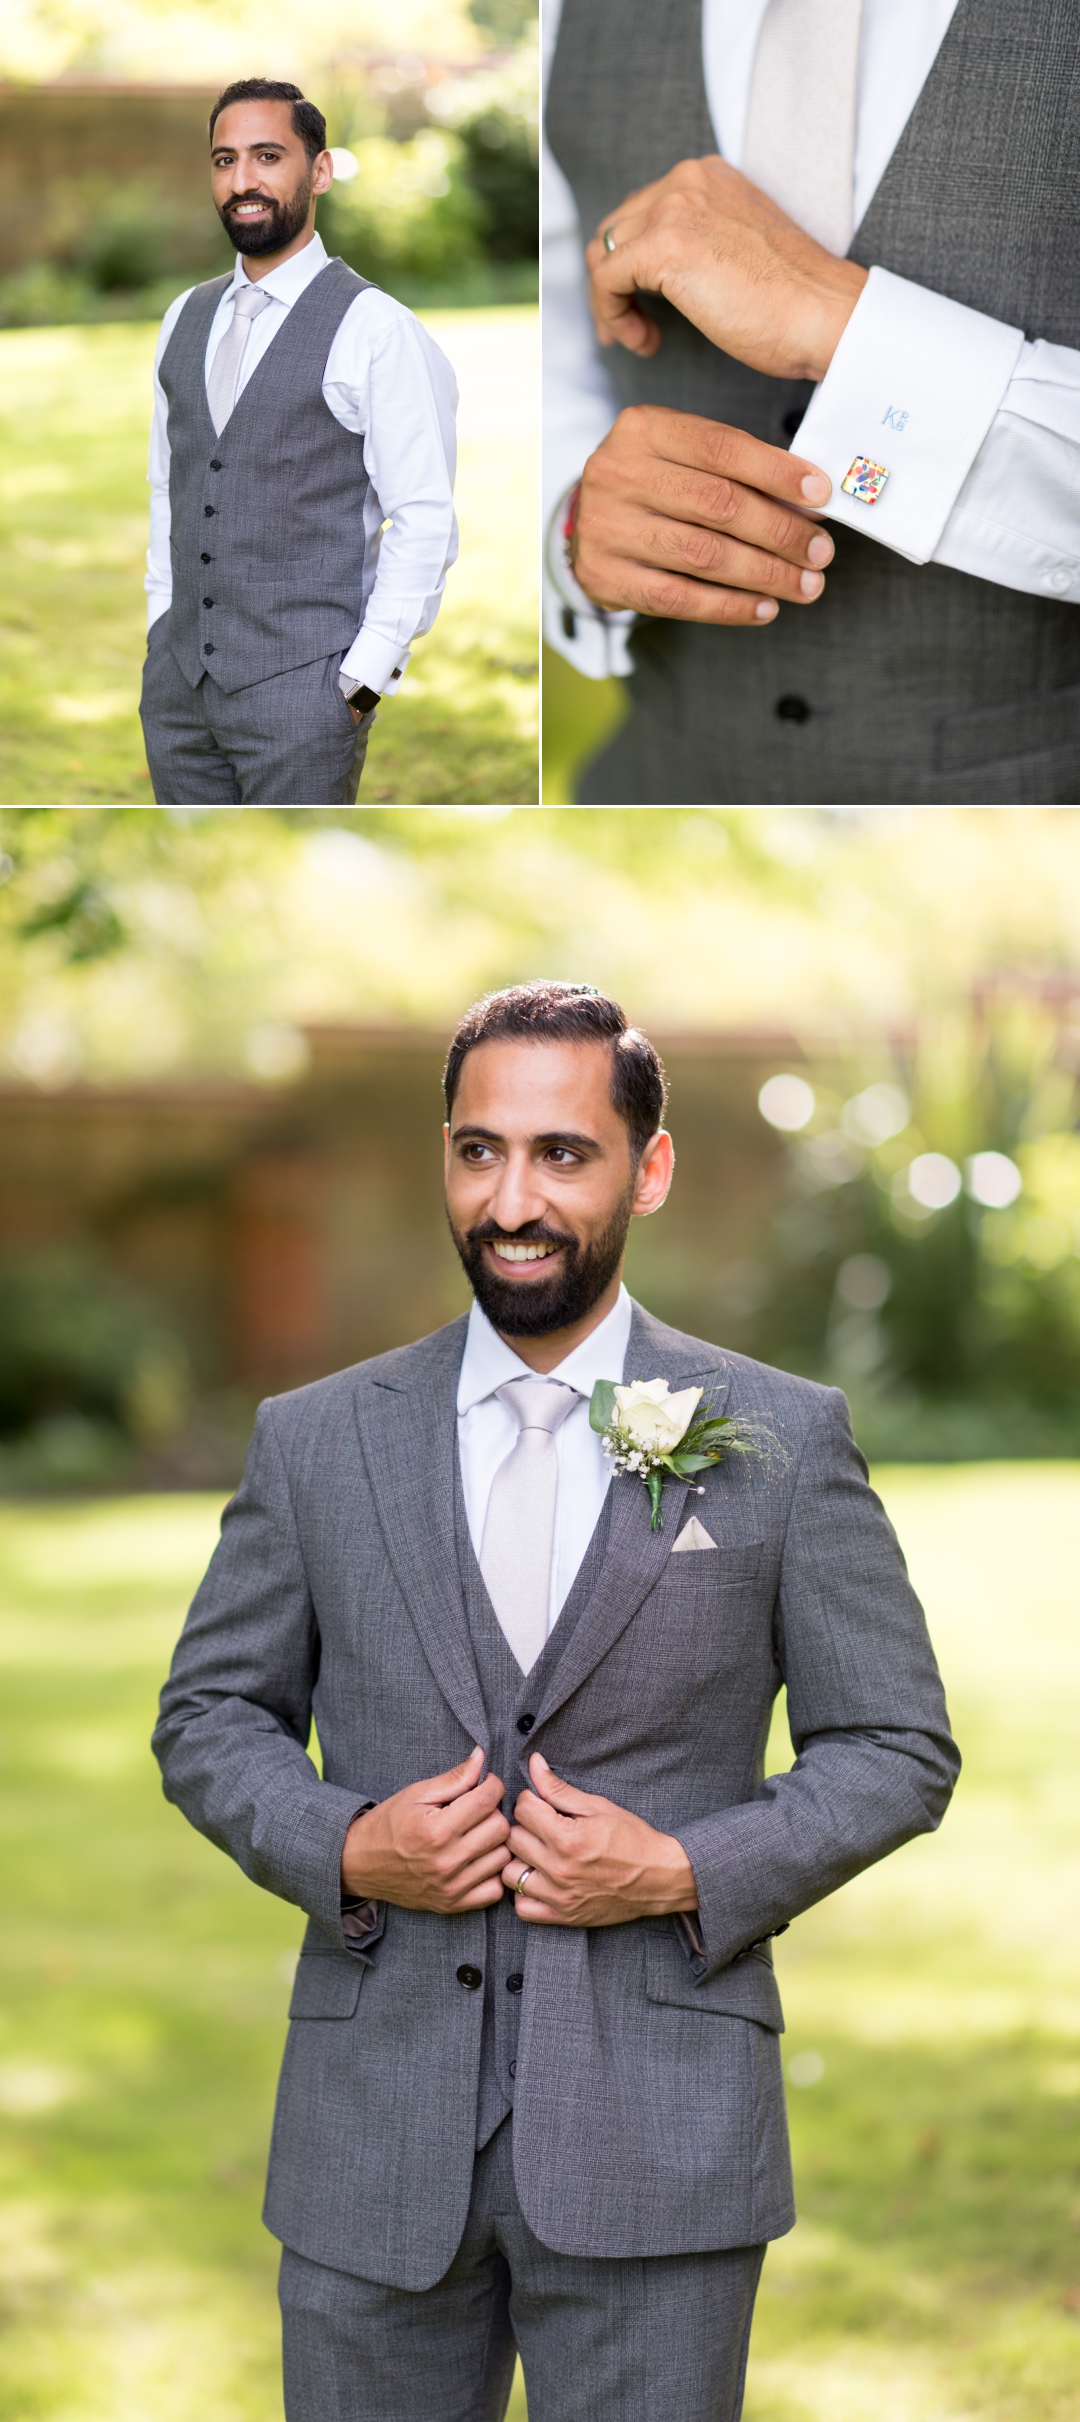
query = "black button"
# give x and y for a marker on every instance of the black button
(208, 601)
(215, 466)
(515, 1982)
(525, 1723)
(513, 2068)
(208, 647)
(793, 710)
(471, 1977)
(209, 512)
(206, 559)
(792, 421)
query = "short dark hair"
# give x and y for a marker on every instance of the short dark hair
(307, 121)
(547, 1012)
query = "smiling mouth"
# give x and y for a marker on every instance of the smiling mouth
(512, 1253)
(248, 210)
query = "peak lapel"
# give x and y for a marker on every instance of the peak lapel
(408, 1437)
(636, 1554)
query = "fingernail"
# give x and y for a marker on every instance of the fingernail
(820, 550)
(541, 1761)
(811, 583)
(767, 610)
(816, 488)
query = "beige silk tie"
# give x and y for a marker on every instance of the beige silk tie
(225, 367)
(519, 1529)
(800, 125)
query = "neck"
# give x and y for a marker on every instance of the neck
(259, 266)
(546, 1353)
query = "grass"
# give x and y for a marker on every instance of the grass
(934, 2275)
(579, 716)
(73, 534)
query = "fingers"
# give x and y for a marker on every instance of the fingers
(445, 1787)
(560, 1795)
(693, 443)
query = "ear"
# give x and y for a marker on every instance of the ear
(655, 1172)
(322, 173)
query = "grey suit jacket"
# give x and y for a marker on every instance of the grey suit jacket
(649, 2115)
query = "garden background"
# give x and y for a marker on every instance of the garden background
(219, 1039)
(105, 216)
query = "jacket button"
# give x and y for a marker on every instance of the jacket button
(513, 2068)
(515, 1982)
(215, 466)
(208, 647)
(209, 512)
(793, 710)
(206, 559)
(208, 601)
(470, 1978)
(525, 1723)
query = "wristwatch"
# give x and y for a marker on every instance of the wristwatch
(361, 697)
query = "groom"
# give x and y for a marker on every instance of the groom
(532, 2095)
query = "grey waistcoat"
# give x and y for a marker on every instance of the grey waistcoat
(923, 685)
(267, 519)
(508, 1694)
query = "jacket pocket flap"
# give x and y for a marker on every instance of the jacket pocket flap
(748, 1989)
(723, 1569)
(327, 1985)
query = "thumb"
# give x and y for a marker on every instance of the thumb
(550, 1787)
(450, 1786)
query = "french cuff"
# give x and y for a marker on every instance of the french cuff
(595, 643)
(903, 409)
(375, 663)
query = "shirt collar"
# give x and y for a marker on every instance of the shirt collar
(285, 283)
(488, 1361)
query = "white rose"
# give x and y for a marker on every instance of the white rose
(654, 1418)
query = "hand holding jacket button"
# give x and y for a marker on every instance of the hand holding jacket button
(470, 1978)
(525, 1723)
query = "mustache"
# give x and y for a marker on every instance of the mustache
(534, 1232)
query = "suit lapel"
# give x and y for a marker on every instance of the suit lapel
(636, 1554)
(408, 1437)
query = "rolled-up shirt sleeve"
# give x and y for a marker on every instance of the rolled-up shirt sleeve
(976, 430)
(388, 381)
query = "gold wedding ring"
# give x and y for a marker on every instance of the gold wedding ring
(609, 239)
(523, 1879)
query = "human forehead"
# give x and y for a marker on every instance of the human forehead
(249, 125)
(517, 1087)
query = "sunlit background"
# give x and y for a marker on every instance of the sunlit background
(105, 216)
(220, 1040)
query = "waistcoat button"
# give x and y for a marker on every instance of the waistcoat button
(215, 466)
(209, 512)
(208, 648)
(513, 2068)
(206, 559)
(470, 1978)
(525, 1723)
(515, 1982)
(793, 710)
(208, 601)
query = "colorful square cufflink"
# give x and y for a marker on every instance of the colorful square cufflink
(865, 480)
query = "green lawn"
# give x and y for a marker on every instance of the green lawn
(934, 2275)
(74, 421)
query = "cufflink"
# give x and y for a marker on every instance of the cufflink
(865, 480)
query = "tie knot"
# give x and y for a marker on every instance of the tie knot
(250, 300)
(538, 1404)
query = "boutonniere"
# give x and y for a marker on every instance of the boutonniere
(647, 1430)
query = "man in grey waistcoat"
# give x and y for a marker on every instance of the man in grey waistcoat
(301, 469)
(532, 2097)
(847, 229)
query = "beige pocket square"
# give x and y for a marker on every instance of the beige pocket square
(694, 1537)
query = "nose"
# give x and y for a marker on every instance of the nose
(518, 1196)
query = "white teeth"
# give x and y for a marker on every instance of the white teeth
(524, 1252)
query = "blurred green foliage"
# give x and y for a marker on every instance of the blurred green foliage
(89, 1370)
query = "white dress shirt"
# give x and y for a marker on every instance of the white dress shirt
(386, 381)
(488, 1433)
(979, 430)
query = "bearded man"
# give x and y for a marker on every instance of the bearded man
(532, 2096)
(302, 470)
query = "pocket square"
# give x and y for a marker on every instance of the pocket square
(695, 1536)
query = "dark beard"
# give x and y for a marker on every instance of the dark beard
(546, 1304)
(286, 220)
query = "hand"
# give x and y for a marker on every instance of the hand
(437, 1845)
(732, 262)
(352, 707)
(594, 1863)
(684, 518)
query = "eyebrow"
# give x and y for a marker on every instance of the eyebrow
(559, 1135)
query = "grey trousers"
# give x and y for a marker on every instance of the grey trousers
(287, 742)
(657, 2340)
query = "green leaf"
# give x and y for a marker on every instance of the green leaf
(685, 1464)
(655, 1485)
(602, 1405)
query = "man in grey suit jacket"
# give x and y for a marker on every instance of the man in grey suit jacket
(532, 2095)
